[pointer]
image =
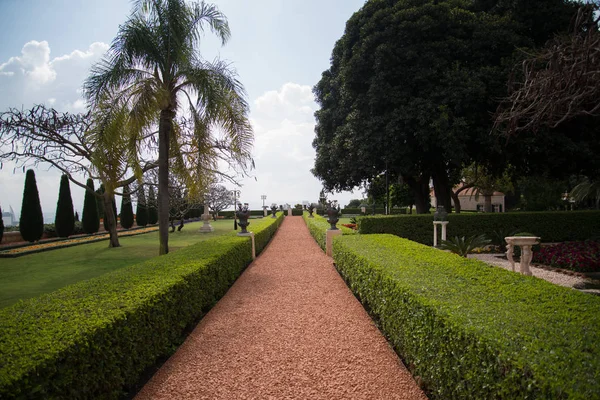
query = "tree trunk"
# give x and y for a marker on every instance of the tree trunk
(420, 189)
(457, 206)
(442, 187)
(487, 203)
(164, 136)
(111, 219)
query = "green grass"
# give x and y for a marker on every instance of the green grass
(32, 275)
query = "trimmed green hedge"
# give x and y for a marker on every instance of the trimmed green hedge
(472, 331)
(318, 226)
(297, 212)
(369, 210)
(95, 338)
(556, 226)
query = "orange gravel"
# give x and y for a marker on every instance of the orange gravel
(288, 328)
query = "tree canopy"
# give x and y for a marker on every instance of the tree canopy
(411, 90)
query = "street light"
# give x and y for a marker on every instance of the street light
(264, 197)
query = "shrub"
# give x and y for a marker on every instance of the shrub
(141, 211)
(462, 246)
(469, 330)
(92, 339)
(1, 226)
(551, 226)
(89, 218)
(575, 256)
(297, 211)
(31, 223)
(152, 207)
(126, 209)
(64, 220)
(318, 226)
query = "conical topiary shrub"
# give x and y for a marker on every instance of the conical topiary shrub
(152, 207)
(90, 221)
(1, 225)
(31, 223)
(141, 212)
(64, 221)
(126, 209)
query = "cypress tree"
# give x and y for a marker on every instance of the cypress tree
(64, 220)
(31, 223)
(1, 225)
(141, 212)
(89, 218)
(76, 216)
(152, 207)
(126, 209)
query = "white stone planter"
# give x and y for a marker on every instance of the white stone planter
(525, 243)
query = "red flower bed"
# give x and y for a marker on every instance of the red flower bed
(575, 256)
(351, 226)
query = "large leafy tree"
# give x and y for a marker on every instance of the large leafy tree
(31, 223)
(411, 90)
(64, 220)
(154, 65)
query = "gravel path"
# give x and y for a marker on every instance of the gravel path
(558, 278)
(289, 328)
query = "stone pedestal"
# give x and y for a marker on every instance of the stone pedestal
(264, 212)
(289, 210)
(444, 224)
(251, 235)
(525, 243)
(329, 240)
(206, 227)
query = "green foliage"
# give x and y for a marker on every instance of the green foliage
(472, 331)
(464, 246)
(152, 207)
(64, 219)
(497, 237)
(541, 194)
(318, 227)
(556, 226)
(126, 209)
(95, 338)
(31, 223)
(89, 218)
(141, 212)
(297, 211)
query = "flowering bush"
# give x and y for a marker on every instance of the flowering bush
(351, 226)
(576, 256)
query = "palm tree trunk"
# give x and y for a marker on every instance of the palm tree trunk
(164, 136)
(111, 220)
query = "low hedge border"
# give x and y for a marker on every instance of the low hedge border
(469, 330)
(95, 338)
(318, 226)
(555, 226)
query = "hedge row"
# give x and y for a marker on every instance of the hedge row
(318, 226)
(369, 210)
(297, 212)
(472, 331)
(95, 338)
(253, 213)
(556, 226)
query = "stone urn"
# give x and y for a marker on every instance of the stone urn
(242, 214)
(273, 211)
(333, 212)
(440, 214)
(311, 209)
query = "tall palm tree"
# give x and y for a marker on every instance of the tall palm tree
(154, 64)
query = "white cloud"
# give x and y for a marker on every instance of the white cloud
(283, 122)
(35, 78)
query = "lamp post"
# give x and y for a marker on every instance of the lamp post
(264, 197)
(236, 194)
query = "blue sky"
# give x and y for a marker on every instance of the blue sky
(278, 47)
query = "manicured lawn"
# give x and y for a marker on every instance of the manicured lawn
(32, 275)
